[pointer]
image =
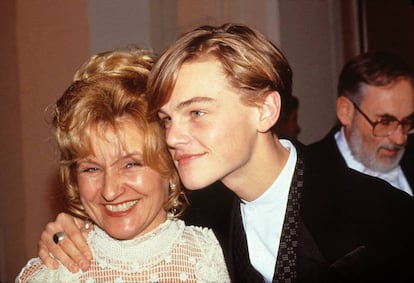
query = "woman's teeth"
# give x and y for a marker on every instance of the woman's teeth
(121, 207)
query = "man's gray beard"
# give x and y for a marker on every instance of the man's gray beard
(368, 157)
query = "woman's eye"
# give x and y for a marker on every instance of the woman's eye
(133, 164)
(89, 170)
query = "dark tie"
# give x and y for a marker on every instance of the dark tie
(286, 262)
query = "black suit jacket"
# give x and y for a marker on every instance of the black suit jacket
(328, 149)
(352, 227)
(407, 162)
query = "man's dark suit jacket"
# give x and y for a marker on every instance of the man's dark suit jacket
(328, 149)
(407, 162)
(352, 227)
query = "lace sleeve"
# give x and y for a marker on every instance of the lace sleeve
(31, 268)
(36, 272)
(211, 267)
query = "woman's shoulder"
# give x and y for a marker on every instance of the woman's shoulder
(200, 234)
(210, 266)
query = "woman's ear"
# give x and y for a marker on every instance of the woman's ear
(344, 110)
(269, 111)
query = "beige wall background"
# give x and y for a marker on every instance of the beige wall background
(43, 42)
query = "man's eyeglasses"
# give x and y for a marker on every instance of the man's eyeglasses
(386, 125)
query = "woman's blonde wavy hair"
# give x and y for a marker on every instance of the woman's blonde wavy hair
(108, 87)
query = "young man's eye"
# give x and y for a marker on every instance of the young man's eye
(197, 113)
(164, 120)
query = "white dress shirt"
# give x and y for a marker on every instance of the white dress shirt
(395, 176)
(263, 218)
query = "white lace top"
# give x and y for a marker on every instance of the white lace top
(173, 252)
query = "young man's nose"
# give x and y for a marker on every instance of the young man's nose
(176, 134)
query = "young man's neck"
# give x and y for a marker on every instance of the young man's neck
(261, 171)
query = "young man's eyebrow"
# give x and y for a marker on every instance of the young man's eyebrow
(194, 100)
(190, 101)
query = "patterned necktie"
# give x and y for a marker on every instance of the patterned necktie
(286, 262)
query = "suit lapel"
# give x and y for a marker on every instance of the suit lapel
(242, 270)
(286, 262)
(298, 259)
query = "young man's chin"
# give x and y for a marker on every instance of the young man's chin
(191, 184)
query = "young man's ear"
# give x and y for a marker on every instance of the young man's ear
(269, 111)
(344, 110)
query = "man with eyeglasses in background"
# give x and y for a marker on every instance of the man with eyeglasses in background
(375, 108)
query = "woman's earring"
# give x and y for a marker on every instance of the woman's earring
(175, 203)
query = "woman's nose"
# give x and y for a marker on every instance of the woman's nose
(112, 187)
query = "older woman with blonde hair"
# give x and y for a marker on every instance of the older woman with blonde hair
(117, 173)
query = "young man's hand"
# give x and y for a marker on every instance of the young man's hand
(70, 248)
